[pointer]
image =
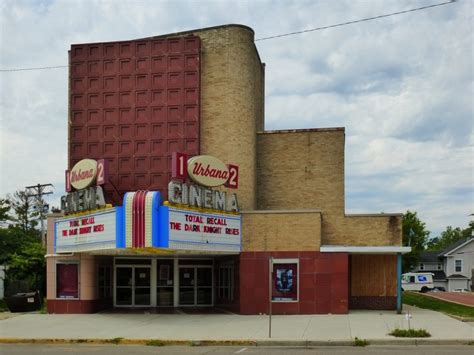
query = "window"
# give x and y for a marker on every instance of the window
(422, 266)
(67, 280)
(225, 286)
(285, 280)
(458, 265)
(105, 284)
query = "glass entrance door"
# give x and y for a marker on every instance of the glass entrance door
(132, 286)
(195, 286)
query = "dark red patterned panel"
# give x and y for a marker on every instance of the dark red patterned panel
(134, 103)
(322, 289)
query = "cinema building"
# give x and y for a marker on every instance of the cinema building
(177, 196)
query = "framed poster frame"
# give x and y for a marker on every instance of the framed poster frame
(285, 280)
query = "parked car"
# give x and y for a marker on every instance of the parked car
(417, 281)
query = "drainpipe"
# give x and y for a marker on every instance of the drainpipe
(399, 283)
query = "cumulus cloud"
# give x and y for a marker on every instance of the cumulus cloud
(402, 87)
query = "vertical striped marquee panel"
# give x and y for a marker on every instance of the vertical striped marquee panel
(127, 202)
(140, 206)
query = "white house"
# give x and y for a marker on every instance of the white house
(453, 267)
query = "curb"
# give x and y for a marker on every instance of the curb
(261, 343)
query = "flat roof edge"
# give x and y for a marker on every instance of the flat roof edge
(279, 211)
(181, 33)
(302, 130)
(173, 34)
(374, 215)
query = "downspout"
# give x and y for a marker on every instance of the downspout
(399, 283)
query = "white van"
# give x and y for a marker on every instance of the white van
(417, 281)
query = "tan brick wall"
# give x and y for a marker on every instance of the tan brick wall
(372, 230)
(280, 231)
(304, 169)
(232, 102)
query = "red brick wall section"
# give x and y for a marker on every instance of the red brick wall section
(134, 103)
(323, 280)
(76, 306)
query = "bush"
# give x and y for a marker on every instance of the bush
(410, 333)
(154, 343)
(116, 341)
(360, 342)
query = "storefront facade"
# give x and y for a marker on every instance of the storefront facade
(188, 202)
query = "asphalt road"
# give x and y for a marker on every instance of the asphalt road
(27, 349)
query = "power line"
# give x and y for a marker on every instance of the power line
(38, 68)
(283, 34)
(355, 21)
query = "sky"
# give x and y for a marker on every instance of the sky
(402, 87)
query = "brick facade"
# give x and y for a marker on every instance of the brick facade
(291, 183)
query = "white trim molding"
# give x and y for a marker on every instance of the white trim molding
(458, 247)
(365, 249)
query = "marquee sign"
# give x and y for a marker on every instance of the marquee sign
(188, 230)
(94, 231)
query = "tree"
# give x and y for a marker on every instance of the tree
(4, 211)
(24, 255)
(20, 246)
(25, 214)
(449, 236)
(415, 235)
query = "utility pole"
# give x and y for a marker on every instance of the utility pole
(38, 191)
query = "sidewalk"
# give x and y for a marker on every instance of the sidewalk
(373, 326)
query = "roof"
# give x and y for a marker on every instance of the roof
(456, 245)
(438, 275)
(302, 130)
(457, 276)
(429, 257)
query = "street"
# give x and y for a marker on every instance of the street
(26, 349)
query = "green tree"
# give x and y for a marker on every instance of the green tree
(415, 235)
(449, 236)
(25, 215)
(20, 244)
(4, 211)
(23, 253)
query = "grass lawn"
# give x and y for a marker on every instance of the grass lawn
(421, 301)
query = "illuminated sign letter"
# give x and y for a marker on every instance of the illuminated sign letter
(175, 192)
(233, 205)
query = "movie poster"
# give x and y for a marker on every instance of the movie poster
(285, 282)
